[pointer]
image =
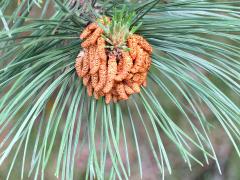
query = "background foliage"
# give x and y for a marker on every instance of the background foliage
(49, 126)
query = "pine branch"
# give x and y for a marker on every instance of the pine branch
(195, 72)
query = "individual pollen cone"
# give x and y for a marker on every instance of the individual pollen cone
(145, 64)
(110, 67)
(94, 80)
(86, 79)
(79, 63)
(129, 76)
(95, 64)
(145, 45)
(112, 70)
(85, 66)
(114, 91)
(91, 54)
(108, 98)
(89, 89)
(132, 44)
(145, 83)
(143, 77)
(98, 94)
(142, 43)
(92, 39)
(136, 87)
(88, 30)
(128, 89)
(148, 63)
(136, 77)
(126, 66)
(121, 91)
(102, 76)
(139, 60)
(101, 49)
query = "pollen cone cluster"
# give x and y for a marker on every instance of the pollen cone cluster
(112, 73)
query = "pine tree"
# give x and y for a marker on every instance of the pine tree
(46, 114)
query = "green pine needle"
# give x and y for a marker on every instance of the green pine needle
(120, 28)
